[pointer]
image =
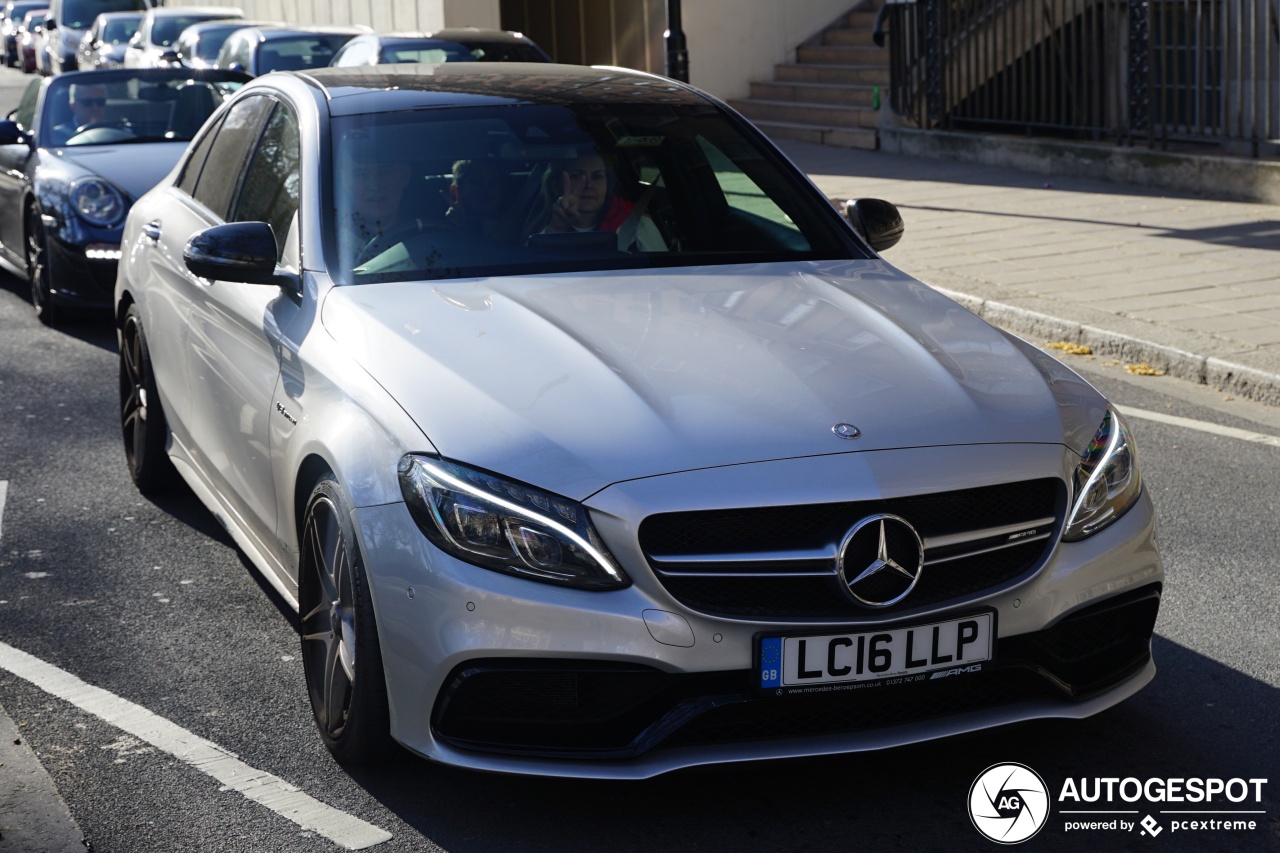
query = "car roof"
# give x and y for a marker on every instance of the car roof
(113, 16)
(203, 27)
(477, 33)
(386, 88)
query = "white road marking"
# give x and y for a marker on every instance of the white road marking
(271, 791)
(1202, 426)
(4, 492)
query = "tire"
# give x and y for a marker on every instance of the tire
(142, 422)
(341, 656)
(38, 274)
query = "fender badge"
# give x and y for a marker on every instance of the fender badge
(846, 430)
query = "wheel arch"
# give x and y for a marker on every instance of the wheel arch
(311, 471)
(122, 308)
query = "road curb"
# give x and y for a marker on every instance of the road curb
(33, 815)
(1237, 379)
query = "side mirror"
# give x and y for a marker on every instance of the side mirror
(11, 134)
(876, 221)
(169, 56)
(50, 24)
(238, 251)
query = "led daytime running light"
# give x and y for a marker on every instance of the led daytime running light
(1100, 465)
(448, 480)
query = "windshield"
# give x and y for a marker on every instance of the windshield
(79, 14)
(477, 191)
(212, 39)
(297, 53)
(427, 51)
(498, 51)
(120, 30)
(166, 28)
(120, 107)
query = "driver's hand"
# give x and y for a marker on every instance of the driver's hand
(565, 210)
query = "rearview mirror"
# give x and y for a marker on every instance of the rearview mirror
(238, 251)
(876, 221)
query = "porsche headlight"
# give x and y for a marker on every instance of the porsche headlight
(97, 202)
(1107, 482)
(505, 526)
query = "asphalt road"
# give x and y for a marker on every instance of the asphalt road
(151, 601)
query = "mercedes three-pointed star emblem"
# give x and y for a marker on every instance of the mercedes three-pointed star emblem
(887, 556)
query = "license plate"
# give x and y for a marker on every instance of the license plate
(903, 655)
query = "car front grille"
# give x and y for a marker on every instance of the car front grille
(780, 562)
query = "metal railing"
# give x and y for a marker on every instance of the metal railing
(1147, 72)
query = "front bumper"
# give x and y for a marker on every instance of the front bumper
(79, 282)
(493, 672)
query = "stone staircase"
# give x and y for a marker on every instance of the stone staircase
(827, 95)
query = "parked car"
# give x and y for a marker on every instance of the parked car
(74, 155)
(152, 45)
(259, 50)
(29, 40)
(456, 45)
(14, 13)
(198, 45)
(105, 41)
(69, 20)
(551, 499)
(41, 47)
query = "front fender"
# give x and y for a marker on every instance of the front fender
(328, 414)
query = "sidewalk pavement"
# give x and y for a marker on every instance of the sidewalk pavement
(33, 816)
(1187, 285)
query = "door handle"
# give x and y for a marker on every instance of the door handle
(152, 230)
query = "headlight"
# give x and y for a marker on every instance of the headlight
(98, 202)
(1107, 482)
(505, 526)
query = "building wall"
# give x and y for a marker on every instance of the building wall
(731, 42)
(383, 15)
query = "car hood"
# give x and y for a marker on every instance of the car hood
(134, 168)
(574, 382)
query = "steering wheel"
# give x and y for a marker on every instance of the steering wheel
(395, 234)
(102, 132)
(119, 124)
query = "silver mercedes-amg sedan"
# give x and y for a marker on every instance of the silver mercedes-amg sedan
(589, 439)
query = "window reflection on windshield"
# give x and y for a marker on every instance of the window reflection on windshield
(113, 109)
(492, 191)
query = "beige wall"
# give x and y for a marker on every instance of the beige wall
(731, 42)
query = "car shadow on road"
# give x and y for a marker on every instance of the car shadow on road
(93, 328)
(1197, 719)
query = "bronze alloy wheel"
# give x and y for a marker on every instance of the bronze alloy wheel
(142, 421)
(340, 653)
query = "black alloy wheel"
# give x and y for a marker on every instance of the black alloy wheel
(142, 421)
(38, 270)
(341, 657)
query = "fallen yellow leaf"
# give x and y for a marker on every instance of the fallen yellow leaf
(1143, 369)
(1070, 348)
